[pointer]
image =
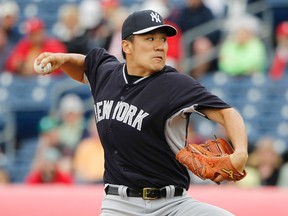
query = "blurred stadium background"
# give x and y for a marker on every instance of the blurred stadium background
(25, 100)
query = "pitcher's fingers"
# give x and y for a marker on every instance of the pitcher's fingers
(41, 57)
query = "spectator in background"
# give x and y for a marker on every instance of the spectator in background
(218, 8)
(72, 123)
(264, 163)
(279, 63)
(96, 26)
(9, 15)
(193, 15)
(5, 48)
(88, 163)
(69, 31)
(36, 41)
(48, 171)
(116, 20)
(63, 132)
(242, 52)
(48, 138)
(109, 7)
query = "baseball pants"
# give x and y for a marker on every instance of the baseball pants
(185, 205)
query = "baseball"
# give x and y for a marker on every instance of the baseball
(42, 70)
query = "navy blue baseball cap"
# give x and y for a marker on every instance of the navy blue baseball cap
(144, 21)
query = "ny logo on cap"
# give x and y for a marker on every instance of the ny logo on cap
(156, 17)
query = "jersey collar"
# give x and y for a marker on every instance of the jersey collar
(126, 78)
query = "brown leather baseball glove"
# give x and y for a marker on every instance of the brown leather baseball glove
(209, 160)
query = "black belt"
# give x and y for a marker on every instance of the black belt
(145, 193)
